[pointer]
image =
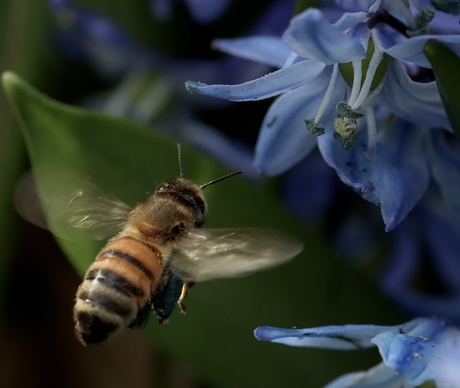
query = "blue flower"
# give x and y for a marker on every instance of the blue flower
(412, 353)
(346, 82)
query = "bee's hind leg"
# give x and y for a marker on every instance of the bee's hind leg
(183, 295)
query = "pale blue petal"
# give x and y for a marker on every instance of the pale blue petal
(418, 355)
(360, 33)
(355, 5)
(411, 50)
(395, 180)
(346, 337)
(310, 35)
(380, 376)
(416, 102)
(284, 139)
(444, 24)
(382, 40)
(205, 11)
(449, 372)
(408, 355)
(268, 50)
(349, 20)
(267, 86)
(444, 153)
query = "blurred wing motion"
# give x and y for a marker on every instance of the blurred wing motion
(207, 254)
(27, 201)
(103, 215)
(87, 208)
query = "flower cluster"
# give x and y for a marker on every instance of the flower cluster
(351, 88)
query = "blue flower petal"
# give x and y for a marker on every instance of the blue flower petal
(380, 376)
(346, 337)
(355, 5)
(310, 35)
(395, 180)
(267, 86)
(283, 139)
(264, 49)
(408, 355)
(416, 102)
(349, 20)
(382, 39)
(444, 156)
(411, 50)
(415, 351)
(418, 354)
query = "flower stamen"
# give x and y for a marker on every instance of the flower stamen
(376, 59)
(328, 94)
(357, 75)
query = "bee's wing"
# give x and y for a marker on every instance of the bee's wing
(91, 209)
(86, 208)
(215, 253)
(27, 202)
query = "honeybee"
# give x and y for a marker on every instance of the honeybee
(161, 250)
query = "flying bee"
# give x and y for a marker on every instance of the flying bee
(161, 250)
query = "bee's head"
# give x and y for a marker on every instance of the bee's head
(176, 207)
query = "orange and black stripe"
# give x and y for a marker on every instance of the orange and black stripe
(117, 285)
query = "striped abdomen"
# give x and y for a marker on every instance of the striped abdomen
(117, 285)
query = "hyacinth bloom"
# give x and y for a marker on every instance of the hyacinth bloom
(412, 353)
(351, 88)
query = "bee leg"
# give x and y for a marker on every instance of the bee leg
(183, 295)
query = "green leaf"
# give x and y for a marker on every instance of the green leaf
(25, 48)
(216, 335)
(445, 65)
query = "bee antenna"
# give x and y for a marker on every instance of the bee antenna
(220, 179)
(179, 153)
